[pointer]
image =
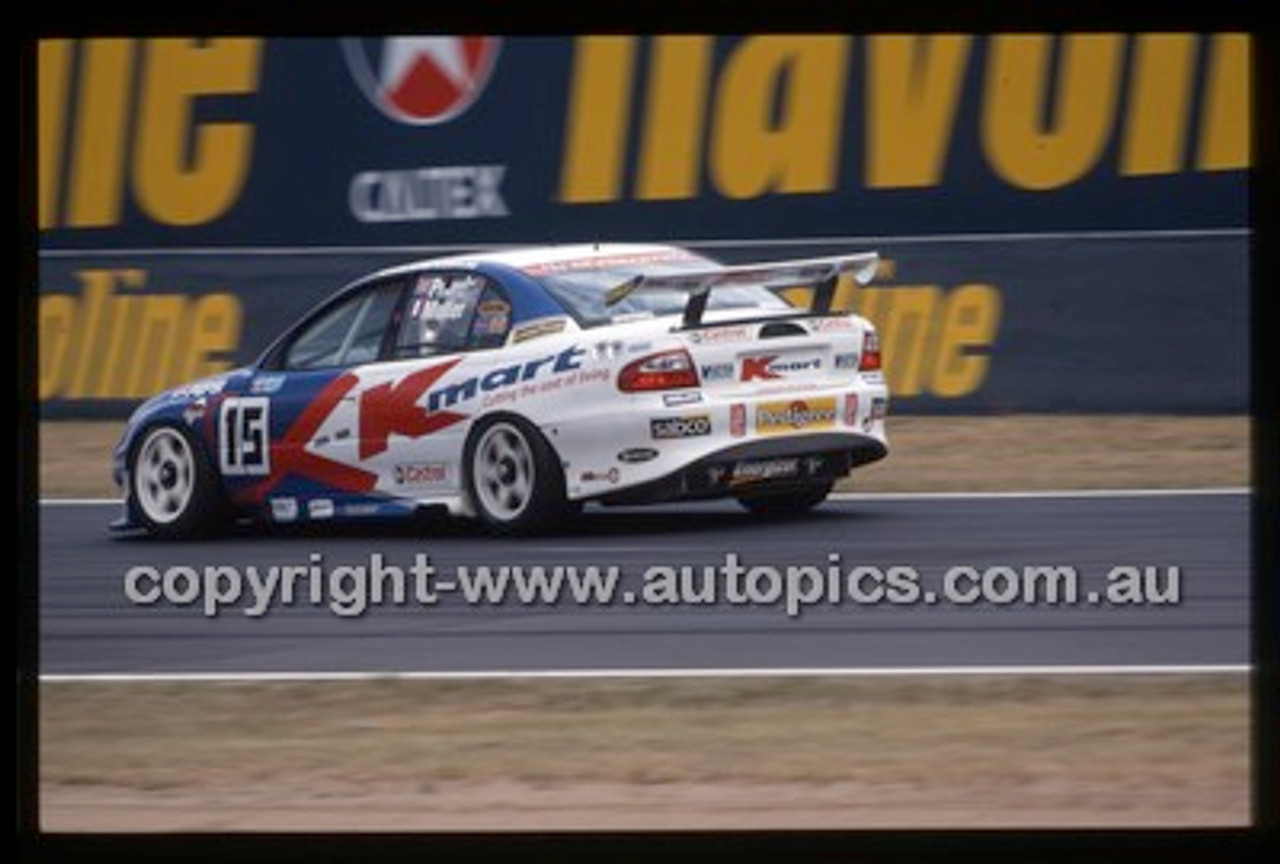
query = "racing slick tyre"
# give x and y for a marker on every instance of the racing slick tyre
(514, 477)
(790, 502)
(173, 485)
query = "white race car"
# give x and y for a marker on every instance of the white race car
(514, 386)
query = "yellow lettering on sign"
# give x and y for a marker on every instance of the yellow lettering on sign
(757, 146)
(1224, 128)
(913, 88)
(97, 162)
(182, 186)
(1024, 149)
(214, 333)
(107, 345)
(905, 337)
(596, 122)
(969, 320)
(56, 321)
(671, 144)
(116, 142)
(53, 82)
(935, 341)
(1159, 104)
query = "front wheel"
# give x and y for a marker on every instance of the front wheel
(514, 477)
(787, 503)
(173, 485)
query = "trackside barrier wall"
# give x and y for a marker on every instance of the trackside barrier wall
(1064, 219)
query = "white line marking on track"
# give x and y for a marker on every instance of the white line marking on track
(604, 674)
(1043, 493)
(79, 502)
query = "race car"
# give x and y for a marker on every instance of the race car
(515, 386)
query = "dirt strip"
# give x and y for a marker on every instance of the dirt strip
(830, 752)
(1002, 452)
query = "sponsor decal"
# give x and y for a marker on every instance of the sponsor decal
(717, 371)
(388, 408)
(601, 262)
(847, 361)
(194, 412)
(492, 318)
(879, 409)
(851, 409)
(284, 509)
(773, 417)
(737, 420)
(612, 476)
(624, 317)
(714, 335)
(680, 427)
(686, 397)
(290, 453)
(758, 470)
(422, 80)
(827, 325)
(448, 395)
(535, 329)
(606, 350)
(244, 424)
(197, 389)
(428, 194)
(767, 367)
(635, 455)
(361, 509)
(320, 508)
(420, 473)
(266, 384)
(765, 469)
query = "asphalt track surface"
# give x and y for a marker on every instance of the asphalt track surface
(88, 625)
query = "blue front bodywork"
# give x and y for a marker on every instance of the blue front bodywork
(194, 407)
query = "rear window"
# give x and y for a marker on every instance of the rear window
(582, 291)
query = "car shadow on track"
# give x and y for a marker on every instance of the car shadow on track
(594, 522)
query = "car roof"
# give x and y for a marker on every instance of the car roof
(536, 260)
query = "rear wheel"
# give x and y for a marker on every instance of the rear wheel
(787, 503)
(514, 477)
(173, 485)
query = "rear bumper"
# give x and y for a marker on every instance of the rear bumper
(755, 466)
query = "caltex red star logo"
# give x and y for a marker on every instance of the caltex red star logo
(422, 80)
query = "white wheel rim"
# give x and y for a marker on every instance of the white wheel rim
(164, 476)
(503, 472)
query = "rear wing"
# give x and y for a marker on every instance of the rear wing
(821, 274)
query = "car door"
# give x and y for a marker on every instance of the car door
(306, 383)
(452, 320)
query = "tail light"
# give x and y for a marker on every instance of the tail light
(666, 370)
(870, 361)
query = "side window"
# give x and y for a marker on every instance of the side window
(348, 334)
(491, 322)
(451, 312)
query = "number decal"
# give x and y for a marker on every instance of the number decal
(244, 425)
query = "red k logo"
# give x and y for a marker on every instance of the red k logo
(757, 368)
(387, 408)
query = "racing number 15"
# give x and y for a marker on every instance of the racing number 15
(243, 424)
